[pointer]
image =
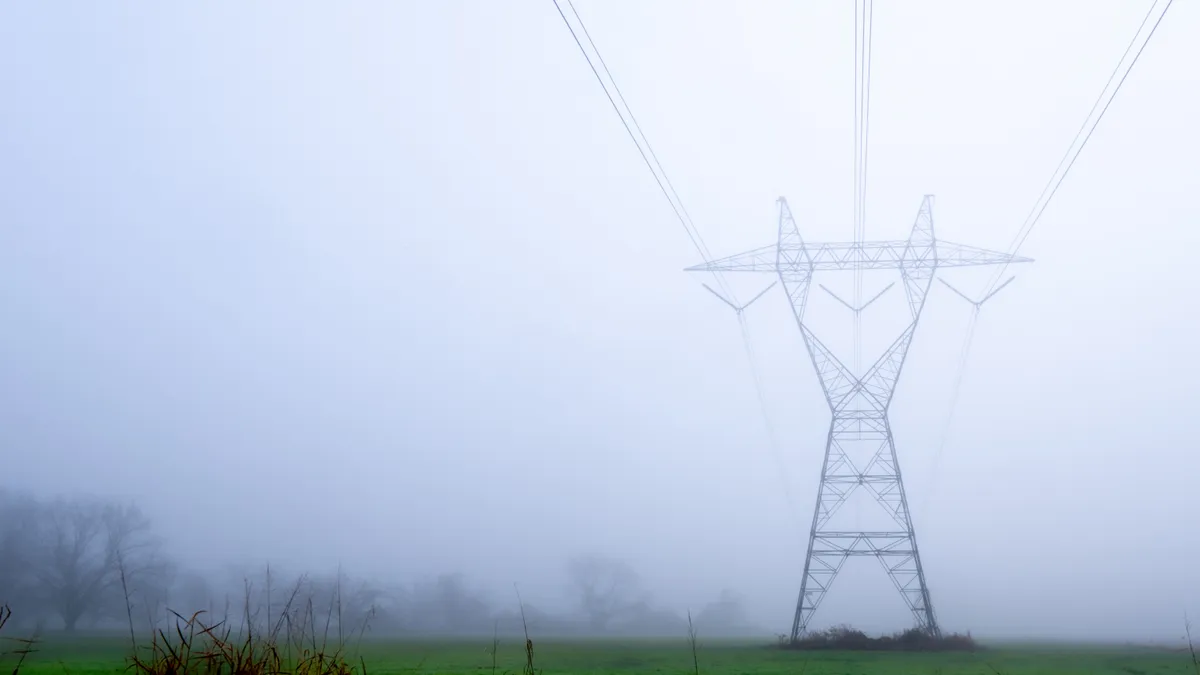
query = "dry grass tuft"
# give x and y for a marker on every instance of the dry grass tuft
(693, 645)
(198, 648)
(1187, 628)
(292, 645)
(529, 667)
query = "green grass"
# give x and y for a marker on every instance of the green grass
(94, 655)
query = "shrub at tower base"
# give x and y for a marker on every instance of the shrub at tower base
(911, 640)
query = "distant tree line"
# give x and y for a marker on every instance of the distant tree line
(94, 564)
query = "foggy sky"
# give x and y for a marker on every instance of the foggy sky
(392, 275)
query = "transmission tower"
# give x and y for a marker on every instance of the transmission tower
(859, 402)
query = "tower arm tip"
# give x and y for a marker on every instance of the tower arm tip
(756, 260)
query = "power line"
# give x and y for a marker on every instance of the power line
(707, 255)
(651, 159)
(955, 391)
(685, 219)
(864, 19)
(1072, 153)
(769, 425)
(1056, 179)
(864, 33)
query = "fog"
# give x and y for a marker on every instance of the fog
(385, 287)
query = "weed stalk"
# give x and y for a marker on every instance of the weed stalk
(692, 642)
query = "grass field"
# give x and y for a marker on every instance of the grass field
(60, 655)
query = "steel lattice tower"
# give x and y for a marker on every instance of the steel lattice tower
(859, 402)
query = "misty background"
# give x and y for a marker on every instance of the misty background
(385, 287)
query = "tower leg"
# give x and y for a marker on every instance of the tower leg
(895, 546)
(819, 573)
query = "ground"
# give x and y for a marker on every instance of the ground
(60, 655)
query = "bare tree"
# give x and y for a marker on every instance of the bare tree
(87, 545)
(607, 589)
(192, 592)
(448, 605)
(348, 603)
(150, 589)
(724, 616)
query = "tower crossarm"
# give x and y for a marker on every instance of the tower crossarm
(840, 256)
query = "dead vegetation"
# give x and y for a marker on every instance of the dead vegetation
(295, 640)
(848, 638)
(195, 647)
